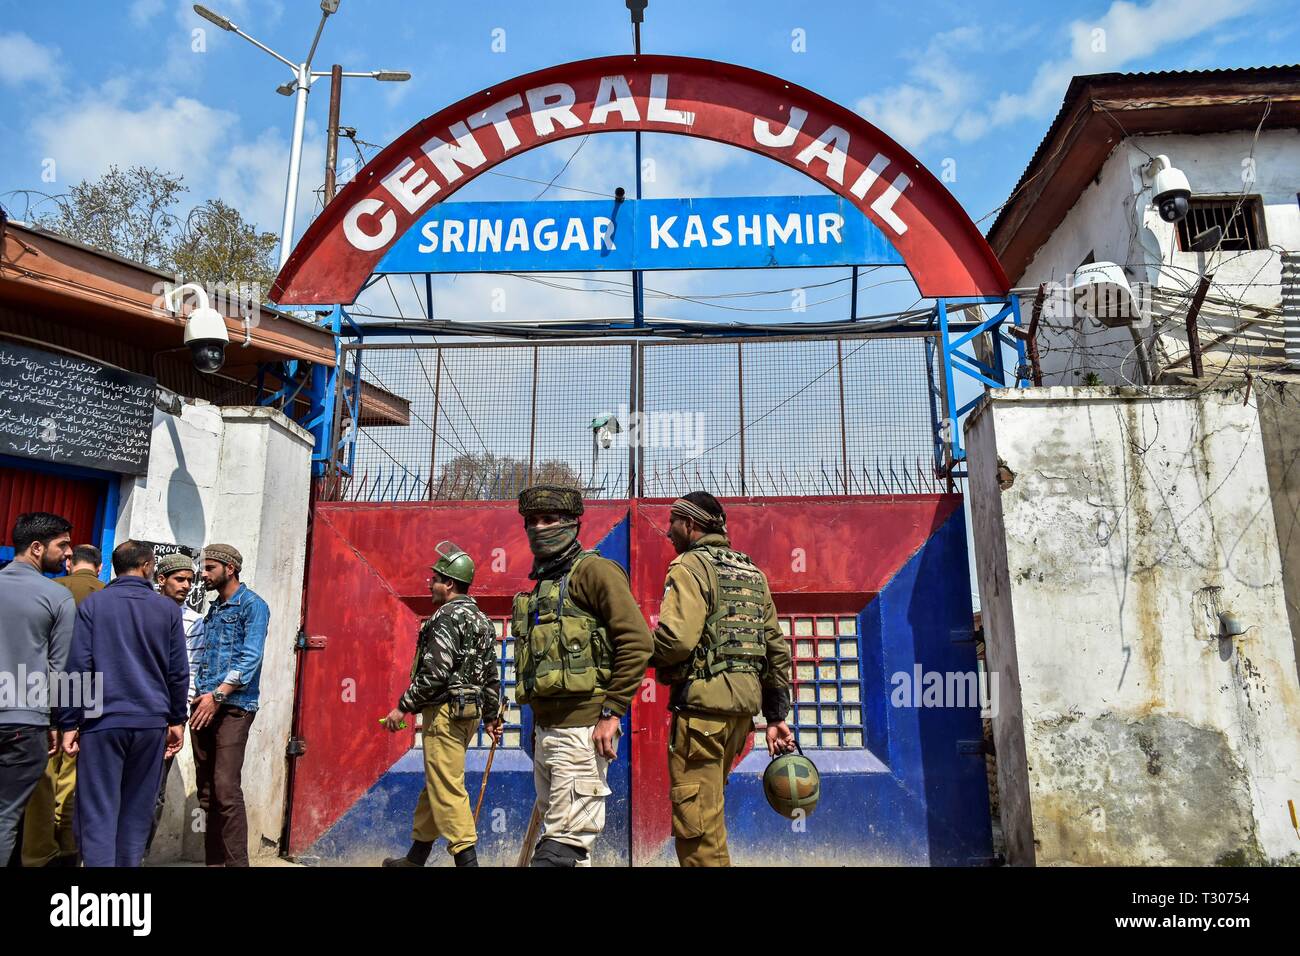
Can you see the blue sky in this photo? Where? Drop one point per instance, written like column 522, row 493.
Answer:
column 969, row 87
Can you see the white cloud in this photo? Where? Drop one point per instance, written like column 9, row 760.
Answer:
column 22, row 59
column 142, row 11
column 185, row 136
column 915, row 111
column 941, row 96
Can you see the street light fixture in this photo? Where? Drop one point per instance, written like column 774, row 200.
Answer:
column 300, row 86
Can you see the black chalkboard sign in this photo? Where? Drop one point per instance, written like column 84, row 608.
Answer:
column 74, row 411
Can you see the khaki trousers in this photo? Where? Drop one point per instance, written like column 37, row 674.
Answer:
column 701, row 750
column 571, row 781
column 47, row 826
column 443, row 808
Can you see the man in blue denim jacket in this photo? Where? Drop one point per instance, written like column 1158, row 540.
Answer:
column 226, row 685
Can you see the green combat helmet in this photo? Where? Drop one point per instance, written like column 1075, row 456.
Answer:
column 454, row 563
column 792, row 785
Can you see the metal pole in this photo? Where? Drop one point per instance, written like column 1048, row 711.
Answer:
column 1036, row 370
column 532, row 420
column 844, row 431
column 638, row 371
column 1193, row 334
column 433, row 442
column 740, row 377
column 295, row 161
column 955, row 451
column 332, row 140
column 853, row 299
column 638, row 289
column 628, row 428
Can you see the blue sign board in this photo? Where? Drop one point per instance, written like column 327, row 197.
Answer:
column 756, row 232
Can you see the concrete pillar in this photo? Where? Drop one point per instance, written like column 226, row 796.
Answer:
column 1112, row 526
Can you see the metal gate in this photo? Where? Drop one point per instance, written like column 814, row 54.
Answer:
column 823, row 453
column 864, row 588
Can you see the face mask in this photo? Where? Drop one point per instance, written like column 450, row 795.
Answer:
column 548, row 542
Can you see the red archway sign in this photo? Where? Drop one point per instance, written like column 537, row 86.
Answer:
column 944, row 251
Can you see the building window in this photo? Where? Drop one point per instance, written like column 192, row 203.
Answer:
column 826, row 697
column 511, row 735
column 1240, row 218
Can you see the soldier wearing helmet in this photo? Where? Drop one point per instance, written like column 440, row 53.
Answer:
column 720, row 649
column 455, row 683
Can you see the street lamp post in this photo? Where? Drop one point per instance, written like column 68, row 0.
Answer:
column 298, row 87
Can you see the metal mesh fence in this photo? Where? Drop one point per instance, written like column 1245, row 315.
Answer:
column 757, row 417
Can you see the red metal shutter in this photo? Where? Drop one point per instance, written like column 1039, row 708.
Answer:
column 77, row 499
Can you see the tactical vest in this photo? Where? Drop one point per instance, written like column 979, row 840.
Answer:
column 733, row 639
column 560, row 649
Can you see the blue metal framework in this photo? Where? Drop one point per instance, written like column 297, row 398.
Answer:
column 319, row 384
column 955, row 360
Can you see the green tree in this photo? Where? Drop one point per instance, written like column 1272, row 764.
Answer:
column 131, row 213
column 125, row 212
column 216, row 244
column 489, row 476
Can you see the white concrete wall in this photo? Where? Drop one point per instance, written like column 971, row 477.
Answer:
column 240, row 476
column 1113, row 220
column 1111, row 527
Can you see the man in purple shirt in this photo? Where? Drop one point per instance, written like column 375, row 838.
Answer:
column 134, row 637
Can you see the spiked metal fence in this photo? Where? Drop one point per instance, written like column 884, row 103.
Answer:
column 746, row 417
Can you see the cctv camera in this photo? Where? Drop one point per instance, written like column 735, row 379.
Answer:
column 1171, row 192
column 206, row 335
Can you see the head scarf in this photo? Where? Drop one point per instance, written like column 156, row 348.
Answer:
column 709, row 523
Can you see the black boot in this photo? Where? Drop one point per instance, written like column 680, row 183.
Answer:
column 417, row 855
column 466, row 857
column 552, row 854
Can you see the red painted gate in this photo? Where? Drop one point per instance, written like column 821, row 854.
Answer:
column 866, row 587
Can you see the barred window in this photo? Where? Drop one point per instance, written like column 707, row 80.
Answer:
column 1240, row 218
column 826, row 694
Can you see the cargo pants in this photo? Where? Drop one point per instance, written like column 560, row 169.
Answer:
column 571, row 781
column 443, row 808
column 47, row 827
column 701, row 751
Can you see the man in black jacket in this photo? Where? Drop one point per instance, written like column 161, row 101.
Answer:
column 455, row 682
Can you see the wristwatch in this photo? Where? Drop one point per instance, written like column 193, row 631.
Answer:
column 218, row 697
column 605, row 712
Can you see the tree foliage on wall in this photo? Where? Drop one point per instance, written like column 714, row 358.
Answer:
column 489, row 476
column 132, row 213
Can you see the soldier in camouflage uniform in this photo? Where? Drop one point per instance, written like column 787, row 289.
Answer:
column 720, row 649
column 581, row 649
column 455, row 682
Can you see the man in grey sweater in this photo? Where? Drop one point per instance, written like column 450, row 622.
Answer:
column 36, row 619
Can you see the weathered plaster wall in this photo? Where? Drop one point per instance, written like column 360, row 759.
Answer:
column 1111, row 527
column 1278, row 402
column 241, row 476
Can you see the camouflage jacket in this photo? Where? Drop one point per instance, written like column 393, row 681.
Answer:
column 457, row 648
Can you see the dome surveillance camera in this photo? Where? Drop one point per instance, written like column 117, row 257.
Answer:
column 1171, row 192
column 205, row 331
column 206, row 335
